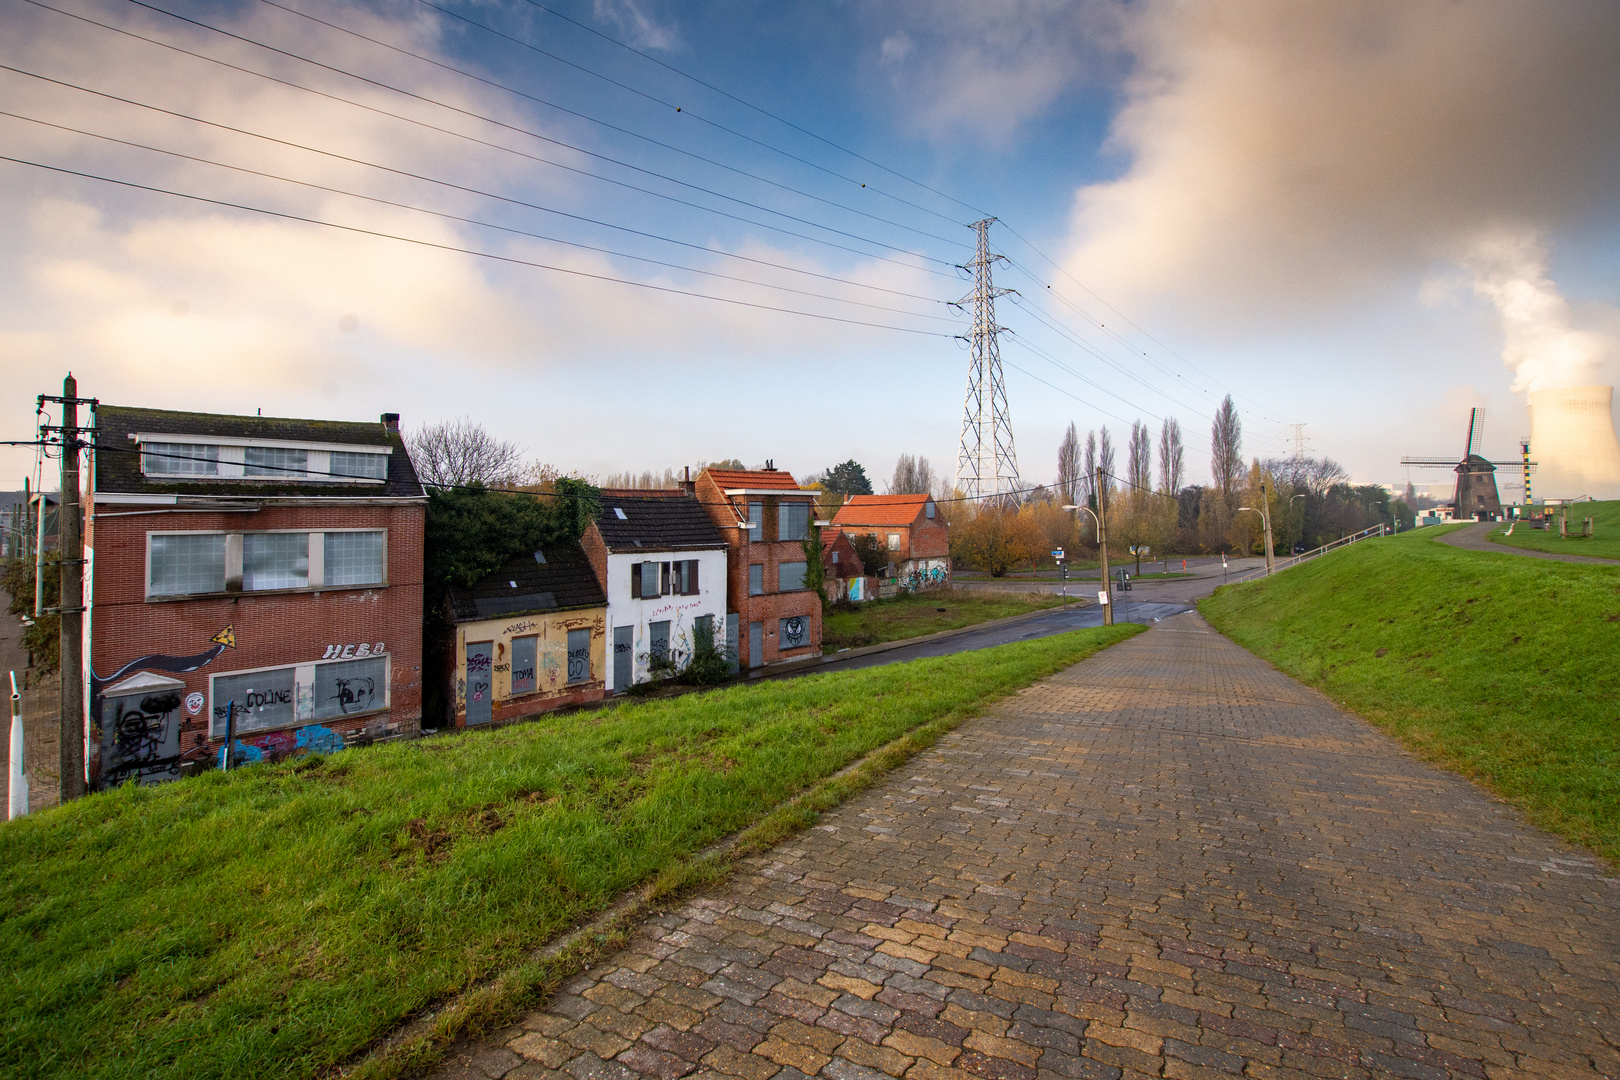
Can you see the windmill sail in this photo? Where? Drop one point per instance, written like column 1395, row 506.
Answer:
column 1476, row 433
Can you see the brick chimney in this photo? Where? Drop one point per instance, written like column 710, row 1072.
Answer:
column 390, row 420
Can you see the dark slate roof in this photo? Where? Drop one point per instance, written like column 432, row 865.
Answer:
column 658, row 523
column 118, row 467
column 525, row 586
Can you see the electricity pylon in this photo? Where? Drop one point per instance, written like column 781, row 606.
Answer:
column 987, row 466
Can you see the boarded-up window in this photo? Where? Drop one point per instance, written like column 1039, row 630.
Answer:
column 579, row 656
column 647, row 579
column 184, row 564
column 658, row 640
column 354, row 558
column 275, row 561
column 928, row 510
column 523, row 664
column 790, row 576
column 894, row 541
column 264, row 699
column 794, row 633
column 793, row 521
column 353, row 686
column 756, row 579
column 756, row 517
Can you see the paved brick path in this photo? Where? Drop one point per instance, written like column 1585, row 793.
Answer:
column 1169, row 860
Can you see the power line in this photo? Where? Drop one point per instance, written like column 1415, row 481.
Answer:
column 494, row 146
column 475, row 221
column 511, row 260
column 604, row 123
column 516, row 128
column 462, row 187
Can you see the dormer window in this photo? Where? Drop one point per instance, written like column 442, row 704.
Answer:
column 180, row 459
column 202, row 457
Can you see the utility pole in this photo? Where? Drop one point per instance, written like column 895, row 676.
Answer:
column 1102, row 548
column 1265, row 506
column 70, row 606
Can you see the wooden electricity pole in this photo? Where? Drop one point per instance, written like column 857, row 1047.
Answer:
column 70, row 603
column 1265, row 515
column 1102, row 548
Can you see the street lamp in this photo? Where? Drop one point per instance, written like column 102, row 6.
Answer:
column 1102, row 551
column 1266, row 518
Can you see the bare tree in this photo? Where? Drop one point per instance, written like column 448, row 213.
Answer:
column 1068, row 473
column 912, row 476
column 1172, row 467
column 1226, row 450
column 1139, row 459
column 1105, row 462
column 461, row 451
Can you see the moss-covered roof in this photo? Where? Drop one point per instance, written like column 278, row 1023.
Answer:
column 118, row 465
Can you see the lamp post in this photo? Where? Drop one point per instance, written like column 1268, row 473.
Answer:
column 1265, row 516
column 1100, row 515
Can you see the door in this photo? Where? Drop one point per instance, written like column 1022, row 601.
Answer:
column 756, row 644
column 732, row 623
column 624, row 643
column 480, row 669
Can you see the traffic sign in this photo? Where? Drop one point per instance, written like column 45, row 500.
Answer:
column 1057, row 553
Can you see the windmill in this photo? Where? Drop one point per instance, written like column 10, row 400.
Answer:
column 1475, row 495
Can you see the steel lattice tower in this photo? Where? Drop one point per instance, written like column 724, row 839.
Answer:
column 987, row 465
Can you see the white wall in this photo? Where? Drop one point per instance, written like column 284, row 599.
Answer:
column 681, row 611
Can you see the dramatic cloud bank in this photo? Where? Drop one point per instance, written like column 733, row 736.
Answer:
column 1288, row 159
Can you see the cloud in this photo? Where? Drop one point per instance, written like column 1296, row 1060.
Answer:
column 1540, row 343
column 1289, row 159
column 987, row 66
column 641, row 29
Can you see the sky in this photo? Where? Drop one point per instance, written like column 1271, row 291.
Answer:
column 641, row 234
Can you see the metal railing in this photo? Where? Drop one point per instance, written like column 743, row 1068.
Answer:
column 1260, row 571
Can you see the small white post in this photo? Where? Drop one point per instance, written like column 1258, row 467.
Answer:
column 19, row 776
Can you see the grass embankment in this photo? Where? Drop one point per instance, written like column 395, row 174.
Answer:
column 277, row 920
column 1603, row 544
column 1497, row 666
column 929, row 612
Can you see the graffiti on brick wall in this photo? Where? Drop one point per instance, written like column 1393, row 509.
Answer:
column 355, row 695
column 917, row 580
column 278, row 745
column 178, row 665
column 354, row 652
column 141, row 739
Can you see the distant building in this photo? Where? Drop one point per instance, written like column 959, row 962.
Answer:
column 661, row 562
column 843, row 575
column 911, row 530
column 20, row 524
column 765, row 517
column 261, row 572
column 530, row 637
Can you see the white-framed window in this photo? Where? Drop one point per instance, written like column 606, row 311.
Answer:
column 351, row 466
column 179, row 459
column 275, row 561
column 191, row 564
column 296, row 694
column 178, row 564
column 358, row 557
column 894, row 541
column 286, row 462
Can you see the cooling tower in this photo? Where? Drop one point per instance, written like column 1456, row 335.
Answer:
column 1573, row 442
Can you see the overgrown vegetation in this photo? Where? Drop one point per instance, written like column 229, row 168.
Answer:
column 1497, row 666
column 472, row 530
column 1603, row 544
column 927, row 612
column 273, row 921
column 42, row 638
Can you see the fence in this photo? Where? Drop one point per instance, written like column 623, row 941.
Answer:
column 1260, row 571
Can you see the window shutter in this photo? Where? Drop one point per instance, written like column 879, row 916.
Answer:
column 694, row 577
column 663, row 579
column 635, row 581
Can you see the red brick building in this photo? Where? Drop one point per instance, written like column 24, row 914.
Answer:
column 764, row 517
column 271, row 563
column 910, row 528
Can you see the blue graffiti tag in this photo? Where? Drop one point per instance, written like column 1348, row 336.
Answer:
column 319, row 740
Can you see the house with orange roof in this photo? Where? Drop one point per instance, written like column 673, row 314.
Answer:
column 911, row 529
column 765, row 517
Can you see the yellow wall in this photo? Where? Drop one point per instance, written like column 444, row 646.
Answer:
column 551, row 652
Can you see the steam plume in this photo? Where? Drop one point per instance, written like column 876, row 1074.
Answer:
column 1540, row 345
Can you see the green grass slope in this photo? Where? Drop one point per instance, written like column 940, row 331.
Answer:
column 1498, row 666
column 1603, row 544
column 276, row 920
column 929, row 612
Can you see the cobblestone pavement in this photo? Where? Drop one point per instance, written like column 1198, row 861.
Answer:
column 1474, row 538
column 1168, row 860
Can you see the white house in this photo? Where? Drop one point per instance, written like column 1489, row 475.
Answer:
column 662, row 563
